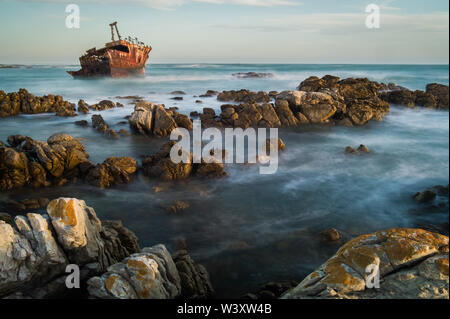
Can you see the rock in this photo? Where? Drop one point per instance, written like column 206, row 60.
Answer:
column 331, row 234
column 83, row 107
column 361, row 149
column 285, row 114
column 99, row 123
column 177, row 98
column 82, row 123
column 271, row 144
column 413, row 264
column 151, row 119
column 244, row 96
column 212, row 169
column 425, row 196
column 441, row 94
column 252, row 75
column 177, row 207
column 161, row 166
column 113, row 171
column 103, row 105
column 164, row 123
column 35, row 249
column 6, row 218
column 425, row 99
column 183, row 121
column 36, row 163
column 403, row 97
column 177, row 93
column 23, row 102
column 151, row 274
column 198, row 101
column 142, row 118
column 195, row 282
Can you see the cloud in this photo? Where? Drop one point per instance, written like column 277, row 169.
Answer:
column 171, row 4
column 350, row 23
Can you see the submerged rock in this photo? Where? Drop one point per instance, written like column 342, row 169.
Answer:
column 425, row 196
column 252, row 75
column 412, row 263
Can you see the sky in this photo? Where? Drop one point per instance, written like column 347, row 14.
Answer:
column 231, row 31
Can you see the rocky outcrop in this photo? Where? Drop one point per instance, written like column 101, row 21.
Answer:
column 195, row 282
column 113, row 171
column 412, row 263
column 244, row 96
column 435, row 96
column 36, row 163
column 35, row 249
column 23, row 102
column 161, row 166
column 150, row 274
column 151, row 119
column 26, row 162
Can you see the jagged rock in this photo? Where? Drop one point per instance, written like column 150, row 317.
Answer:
column 425, row 99
column 103, row 105
column 38, row 163
column 83, row 107
column 400, row 97
column 160, row 165
column 22, row 102
column 148, row 275
column 441, row 93
column 285, row 114
column 99, row 123
column 195, row 282
column 113, row 171
column 413, row 263
column 244, row 96
column 151, row 119
column 35, row 249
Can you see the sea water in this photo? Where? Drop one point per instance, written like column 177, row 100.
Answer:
column 249, row 229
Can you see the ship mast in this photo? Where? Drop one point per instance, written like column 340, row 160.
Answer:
column 114, row 25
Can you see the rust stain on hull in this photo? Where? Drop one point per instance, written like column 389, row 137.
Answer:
column 117, row 59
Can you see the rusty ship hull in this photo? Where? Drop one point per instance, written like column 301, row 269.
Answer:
column 118, row 58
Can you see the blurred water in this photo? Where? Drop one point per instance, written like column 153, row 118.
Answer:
column 249, row 228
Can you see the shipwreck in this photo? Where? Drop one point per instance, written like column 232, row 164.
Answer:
column 118, row 58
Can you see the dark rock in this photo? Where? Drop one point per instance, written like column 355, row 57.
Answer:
column 441, row 93
column 113, row 171
column 82, row 123
column 331, row 235
column 99, row 123
column 6, row 218
column 425, row 196
column 195, row 282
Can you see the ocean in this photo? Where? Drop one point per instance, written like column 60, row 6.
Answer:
column 249, row 229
